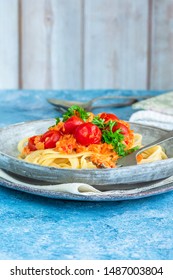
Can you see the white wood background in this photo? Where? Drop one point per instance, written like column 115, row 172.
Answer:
column 86, row 44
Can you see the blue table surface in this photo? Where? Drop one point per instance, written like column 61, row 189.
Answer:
column 39, row 228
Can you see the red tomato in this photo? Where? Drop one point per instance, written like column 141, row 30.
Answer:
column 88, row 133
column 108, row 117
column 50, row 138
column 71, row 124
column 124, row 129
column 31, row 144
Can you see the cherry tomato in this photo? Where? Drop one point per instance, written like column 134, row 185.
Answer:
column 50, row 138
column 88, row 133
column 108, row 117
column 124, row 129
column 71, row 124
column 31, row 144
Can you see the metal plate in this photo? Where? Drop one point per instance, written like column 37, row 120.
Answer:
column 121, row 192
column 100, row 178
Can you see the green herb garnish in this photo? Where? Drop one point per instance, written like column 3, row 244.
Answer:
column 132, row 150
column 114, row 138
column 57, row 120
column 72, row 112
column 99, row 122
column 110, row 137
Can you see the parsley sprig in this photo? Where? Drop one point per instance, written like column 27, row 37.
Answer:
column 132, row 150
column 72, row 112
column 99, row 122
column 114, row 138
column 57, row 120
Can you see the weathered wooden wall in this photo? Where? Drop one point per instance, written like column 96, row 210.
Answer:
column 81, row 44
column 9, row 52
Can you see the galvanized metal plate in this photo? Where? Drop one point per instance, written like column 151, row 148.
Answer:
column 100, row 178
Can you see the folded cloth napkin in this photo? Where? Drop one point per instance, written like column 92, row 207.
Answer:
column 153, row 118
column 157, row 111
column 117, row 192
column 74, row 188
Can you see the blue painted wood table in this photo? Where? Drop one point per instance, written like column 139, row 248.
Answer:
column 34, row 227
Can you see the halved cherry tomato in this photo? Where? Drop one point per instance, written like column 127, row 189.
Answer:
column 108, row 117
column 123, row 129
column 71, row 124
column 88, row 133
column 50, row 138
column 31, row 144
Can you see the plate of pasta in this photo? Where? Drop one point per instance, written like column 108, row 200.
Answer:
column 83, row 147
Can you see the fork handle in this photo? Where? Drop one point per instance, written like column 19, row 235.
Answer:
column 165, row 137
column 116, row 105
column 63, row 103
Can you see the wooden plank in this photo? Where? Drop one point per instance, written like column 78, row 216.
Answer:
column 68, row 46
column 8, row 44
column 116, row 44
column 51, row 44
column 162, row 45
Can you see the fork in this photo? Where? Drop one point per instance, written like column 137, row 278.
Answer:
column 131, row 158
column 63, row 105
